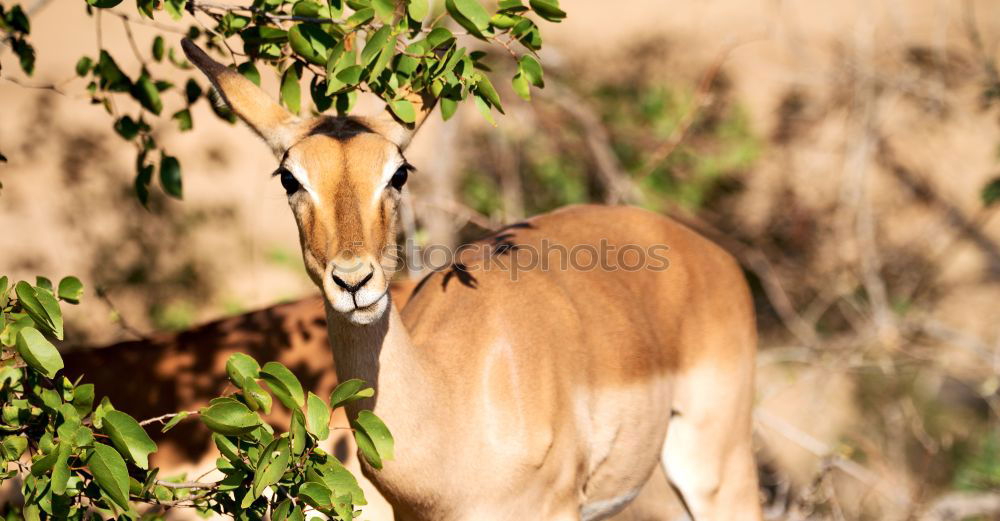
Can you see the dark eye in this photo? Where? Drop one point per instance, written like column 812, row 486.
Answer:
column 399, row 178
column 288, row 181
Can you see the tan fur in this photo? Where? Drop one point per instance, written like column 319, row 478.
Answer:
column 545, row 395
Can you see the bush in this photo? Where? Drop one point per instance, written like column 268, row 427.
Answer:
column 76, row 459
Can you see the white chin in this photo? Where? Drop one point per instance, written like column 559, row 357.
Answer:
column 369, row 314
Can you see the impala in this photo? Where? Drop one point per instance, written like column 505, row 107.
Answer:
column 553, row 396
column 170, row 372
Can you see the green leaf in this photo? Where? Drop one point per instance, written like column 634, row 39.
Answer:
column 360, row 17
column 291, row 93
column 170, row 176
column 44, row 283
column 531, row 69
column 175, row 8
column 417, row 9
column 349, row 391
column 83, row 66
column 521, row 86
column 146, row 93
column 102, row 408
column 548, row 9
column 60, row 470
column 385, row 10
column 306, row 8
column 470, row 14
column 283, row 384
column 127, row 128
column 42, row 307
column 256, row 396
column 485, row 88
column 376, row 42
column 157, row 48
column 287, row 511
column 991, row 193
column 230, row 418
column 110, row 473
column 484, row 109
column 70, row 289
column 17, row 19
column 104, row 4
column 174, row 421
column 315, row 495
column 298, row 432
column 111, row 76
column 310, row 41
column 270, row 466
column 338, row 479
column 143, row 178
column 38, row 352
column 84, row 438
column 183, row 119
column 249, row 71
column 448, row 108
column 511, row 5
column 378, row 432
column 227, row 448
column 241, row 366
column 317, row 417
column 504, row 21
column 350, row 75
column 403, row 110
column 13, row 446
column 367, row 448
column 192, row 91
column 83, row 399
column 25, row 54
column 439, row 36
column 128, row 437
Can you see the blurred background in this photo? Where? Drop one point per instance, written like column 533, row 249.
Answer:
column 847, row 152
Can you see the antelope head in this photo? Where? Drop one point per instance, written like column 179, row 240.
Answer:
column 343, row 177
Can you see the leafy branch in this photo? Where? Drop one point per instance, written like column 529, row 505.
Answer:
column 76, row 459
column 390, row 48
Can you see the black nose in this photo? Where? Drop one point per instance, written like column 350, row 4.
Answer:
column 355, row 287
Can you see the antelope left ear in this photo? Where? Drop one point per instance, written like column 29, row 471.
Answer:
column 398, row 131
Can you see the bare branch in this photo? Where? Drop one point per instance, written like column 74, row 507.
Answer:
column 166, row 417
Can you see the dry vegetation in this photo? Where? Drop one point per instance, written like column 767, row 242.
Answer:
column 839, row 153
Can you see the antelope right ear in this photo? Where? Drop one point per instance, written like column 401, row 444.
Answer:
column 279, row 128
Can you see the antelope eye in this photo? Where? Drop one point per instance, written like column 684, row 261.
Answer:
column 288, row 181
column 399, row 178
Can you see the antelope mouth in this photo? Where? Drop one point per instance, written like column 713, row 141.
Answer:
column 364, row 315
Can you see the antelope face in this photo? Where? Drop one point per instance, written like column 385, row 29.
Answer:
column 343, row 179
column 343, row 190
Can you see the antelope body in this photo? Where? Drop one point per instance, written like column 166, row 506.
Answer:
column 545, row 394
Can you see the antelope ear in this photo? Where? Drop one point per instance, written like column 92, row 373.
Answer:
column 398, row 131
column 278, row 127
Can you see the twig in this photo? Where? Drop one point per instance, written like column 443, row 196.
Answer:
column 618, row 187
column 703, row 98
column 165, row 417
column 207, row 6
column 103, row 295
column 148, row 23
column 459, row 210
column 48, row 86
column 186, row 484
column 822, row 450
column 963, row 505
column 131, row 41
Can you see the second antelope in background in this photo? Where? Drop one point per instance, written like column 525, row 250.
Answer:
column 549, row 393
